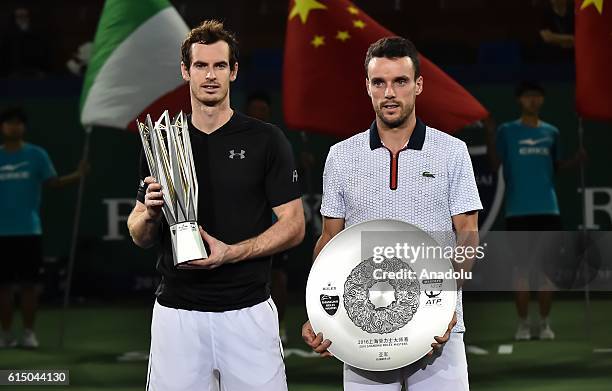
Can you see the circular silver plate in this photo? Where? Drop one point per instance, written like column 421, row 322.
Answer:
column 378, row 298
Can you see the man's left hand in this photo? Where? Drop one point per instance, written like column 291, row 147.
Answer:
column 219, row 252
column 436, row 347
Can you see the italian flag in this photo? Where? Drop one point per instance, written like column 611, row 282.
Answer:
column 135, row 65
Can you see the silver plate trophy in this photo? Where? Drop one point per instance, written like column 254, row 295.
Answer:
column 168, row 151
column 380, row 309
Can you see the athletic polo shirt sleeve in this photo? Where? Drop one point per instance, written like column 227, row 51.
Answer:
column 463, row 192
column 46, row 170
column 332, row 201
column 281, row 181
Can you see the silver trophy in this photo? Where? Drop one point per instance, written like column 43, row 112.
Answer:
column 168, row 151
column 380, row 314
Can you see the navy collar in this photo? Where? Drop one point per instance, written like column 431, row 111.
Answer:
column 417, row 138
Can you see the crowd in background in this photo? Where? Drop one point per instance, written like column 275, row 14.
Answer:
column 36, row 41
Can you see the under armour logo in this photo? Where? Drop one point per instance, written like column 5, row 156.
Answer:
column 295, row 176
column 232, row 153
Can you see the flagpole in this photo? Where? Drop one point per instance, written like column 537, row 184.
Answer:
column 308, row 174
column 583, row 236
column 74, row 240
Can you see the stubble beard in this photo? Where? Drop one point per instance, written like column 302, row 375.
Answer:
column 209, row 101
column 403, row 118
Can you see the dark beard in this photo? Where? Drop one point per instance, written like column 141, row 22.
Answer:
column 394, row 124
column 397, row 123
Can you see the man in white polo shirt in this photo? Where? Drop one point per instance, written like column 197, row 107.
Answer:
column 402, row 169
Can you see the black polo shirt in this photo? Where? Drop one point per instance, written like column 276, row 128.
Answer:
column 244, row 168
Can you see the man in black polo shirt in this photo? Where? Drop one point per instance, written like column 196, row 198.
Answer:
column 216, row 326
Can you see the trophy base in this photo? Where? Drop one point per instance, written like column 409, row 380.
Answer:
column 187, row 244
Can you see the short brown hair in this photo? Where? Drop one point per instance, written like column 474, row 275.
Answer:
column 394, row 47
column 209, row 32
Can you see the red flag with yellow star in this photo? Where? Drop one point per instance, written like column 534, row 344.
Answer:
column 324, row 78
column 593, row 42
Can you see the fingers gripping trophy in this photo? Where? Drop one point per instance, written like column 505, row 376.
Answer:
column 168, row 152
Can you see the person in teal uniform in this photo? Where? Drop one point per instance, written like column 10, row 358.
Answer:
column 529, row 150
column 24, row 170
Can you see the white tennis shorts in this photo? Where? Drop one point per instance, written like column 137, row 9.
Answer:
column 446, row 372
column 208, row 351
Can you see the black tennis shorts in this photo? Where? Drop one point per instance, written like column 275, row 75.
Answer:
column 20, row 259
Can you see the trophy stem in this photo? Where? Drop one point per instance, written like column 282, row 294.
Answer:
column 187, row 244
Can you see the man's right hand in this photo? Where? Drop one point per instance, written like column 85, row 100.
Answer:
column 316, row 342
column 153, row 198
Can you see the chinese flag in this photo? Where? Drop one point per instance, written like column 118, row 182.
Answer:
column 593, row 59
column 324, row 77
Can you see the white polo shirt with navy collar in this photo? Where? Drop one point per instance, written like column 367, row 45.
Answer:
column 426, row 183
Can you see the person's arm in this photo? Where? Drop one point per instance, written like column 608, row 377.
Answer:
column 561, row 40
column 333, row 210
column 556, row 152
column 331, row 227
column 73, row 177
column 287, row 232
column 144, row 220
column 48, row 175
column 464, row 203
column 579, row 157
column 466, row 228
